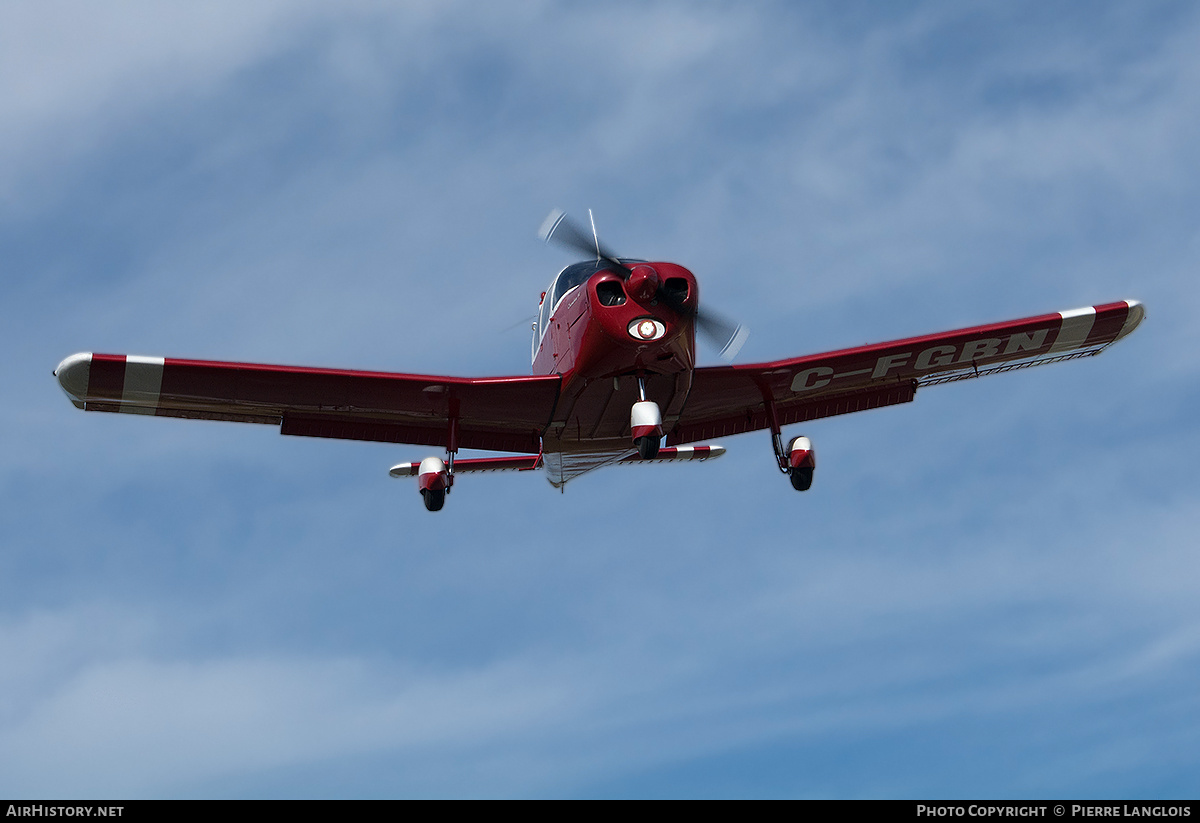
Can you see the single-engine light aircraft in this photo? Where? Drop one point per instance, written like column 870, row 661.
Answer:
column 614, row 372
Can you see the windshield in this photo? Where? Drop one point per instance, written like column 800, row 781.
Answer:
column 567, row 279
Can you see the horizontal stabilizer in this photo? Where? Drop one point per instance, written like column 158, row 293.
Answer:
column 679, row 453
column 522, row 463
column 530, row 462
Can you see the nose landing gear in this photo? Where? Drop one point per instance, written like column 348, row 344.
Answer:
column 645, row 421
column 645, row 424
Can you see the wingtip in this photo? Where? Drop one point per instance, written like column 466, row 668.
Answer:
column 1137, row 313
column 73, row 374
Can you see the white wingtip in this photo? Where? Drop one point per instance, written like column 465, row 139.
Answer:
column 1137, row 313
column 73, row 374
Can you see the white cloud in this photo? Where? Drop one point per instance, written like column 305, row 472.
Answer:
column 831, row 642
column 72, row 72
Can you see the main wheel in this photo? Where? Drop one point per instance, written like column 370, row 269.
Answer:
column 647, row 447
column 802, row 478
column 434, row 499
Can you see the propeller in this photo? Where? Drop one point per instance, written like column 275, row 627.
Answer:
column 559, row 228
column 726, row 335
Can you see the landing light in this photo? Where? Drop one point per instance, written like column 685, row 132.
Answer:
column 646, row 328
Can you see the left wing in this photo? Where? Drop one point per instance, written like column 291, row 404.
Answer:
column 494, row 413
column 728, row 400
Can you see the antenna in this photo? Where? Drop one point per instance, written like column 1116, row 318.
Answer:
column 595, row 236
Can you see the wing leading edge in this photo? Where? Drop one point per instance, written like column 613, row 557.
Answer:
column 493, row 413
column 727, row 400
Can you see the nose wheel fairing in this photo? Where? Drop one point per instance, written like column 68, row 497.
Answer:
column 645, row 426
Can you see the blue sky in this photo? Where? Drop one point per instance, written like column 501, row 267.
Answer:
column 989, row 592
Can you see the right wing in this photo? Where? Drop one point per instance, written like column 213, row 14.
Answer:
column 493, row 413
column 727, row 400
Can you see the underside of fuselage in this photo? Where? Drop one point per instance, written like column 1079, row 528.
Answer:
column 562, row 467
column 616, row 341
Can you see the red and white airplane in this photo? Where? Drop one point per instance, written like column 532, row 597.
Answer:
column 614, row 371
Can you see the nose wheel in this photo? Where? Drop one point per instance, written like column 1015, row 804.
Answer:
column 647, row 447
column 645, row 424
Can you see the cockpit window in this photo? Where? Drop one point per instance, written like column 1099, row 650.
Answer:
column 572, row 276
column 567, row 279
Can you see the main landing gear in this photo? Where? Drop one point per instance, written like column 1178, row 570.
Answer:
column 645, row 423
column 802, row 460
column 797, row 461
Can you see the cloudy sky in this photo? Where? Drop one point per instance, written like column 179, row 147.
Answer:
column 988, row 592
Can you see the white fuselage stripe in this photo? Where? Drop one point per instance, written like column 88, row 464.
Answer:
column 143, row 384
